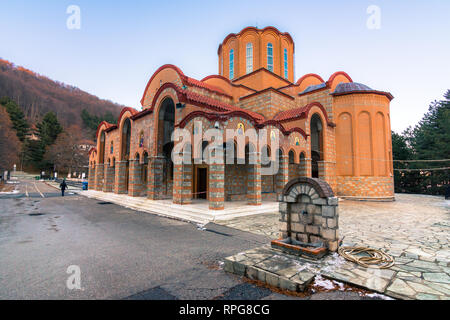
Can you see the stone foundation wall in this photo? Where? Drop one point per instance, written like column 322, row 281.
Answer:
column 365, row 187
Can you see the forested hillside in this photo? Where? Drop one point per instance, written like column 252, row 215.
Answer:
column 45, row 124
column 37, row 95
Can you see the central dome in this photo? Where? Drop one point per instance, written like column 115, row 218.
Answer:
column 253, row 49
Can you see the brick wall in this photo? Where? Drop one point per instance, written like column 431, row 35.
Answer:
column 365, row 187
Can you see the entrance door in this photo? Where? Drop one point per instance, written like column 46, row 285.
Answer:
column 202, row 180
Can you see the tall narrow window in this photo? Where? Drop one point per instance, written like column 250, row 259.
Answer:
column 285, row 63
column 270, row 57
column 249, row 57
column 231, row 64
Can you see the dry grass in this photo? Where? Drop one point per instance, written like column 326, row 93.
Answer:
column 4, row 187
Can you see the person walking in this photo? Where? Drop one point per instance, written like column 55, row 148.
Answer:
column 63, row 187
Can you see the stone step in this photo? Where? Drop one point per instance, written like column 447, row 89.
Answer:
column 183, row 212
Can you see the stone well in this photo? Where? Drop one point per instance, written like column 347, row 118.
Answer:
column 308, row 218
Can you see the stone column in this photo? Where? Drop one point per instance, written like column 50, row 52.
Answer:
column 91, row 178
column 99, row 176
column 254, row 180
column 135, row 183
column 283, row 176
column 120, row 186
column 182, row 184
column 155, row 178
column 109, row 178
column 216, row 190
column 144, row 181
column 308, row 167
column 303, row 168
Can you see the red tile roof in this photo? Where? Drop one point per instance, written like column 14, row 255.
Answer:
column 290, row 114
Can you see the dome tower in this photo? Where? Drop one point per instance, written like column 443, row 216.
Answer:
column 253, row 49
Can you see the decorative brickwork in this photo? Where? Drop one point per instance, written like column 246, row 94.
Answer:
column 99, row 176
column 365, row 187
column 121, row 178
column 91, row 177
column 155, row 178
column 254, row 180
column 109, row 178
column 182, row 183
column 282, row 176
column 135, row 183
column 216, row 190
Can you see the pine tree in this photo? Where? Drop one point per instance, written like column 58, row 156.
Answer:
column 48, row 129
column 17, row 117
column 428, row 140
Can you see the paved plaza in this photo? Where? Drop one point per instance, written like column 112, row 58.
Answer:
column 414, row 229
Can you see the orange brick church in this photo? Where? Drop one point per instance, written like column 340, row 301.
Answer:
column 337, row 130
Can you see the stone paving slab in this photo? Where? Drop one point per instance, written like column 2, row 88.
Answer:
column 407, row 279
column 414, row 229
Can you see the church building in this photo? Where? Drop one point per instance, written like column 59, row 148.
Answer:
column 337, row 130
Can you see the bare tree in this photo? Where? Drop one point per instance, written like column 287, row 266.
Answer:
column 9, row 143
column 67, row 153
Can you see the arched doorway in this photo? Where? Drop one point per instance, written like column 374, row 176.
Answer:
column 201, row 172
column 101, row 150
column 268, row 185
column 166, row 123
column 126, row 145
column 316, row 127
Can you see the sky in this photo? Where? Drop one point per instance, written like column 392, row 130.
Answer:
column 120, row 44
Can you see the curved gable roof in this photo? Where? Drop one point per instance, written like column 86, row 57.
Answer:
column 185, row 80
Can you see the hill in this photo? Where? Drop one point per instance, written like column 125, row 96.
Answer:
column 37, row 95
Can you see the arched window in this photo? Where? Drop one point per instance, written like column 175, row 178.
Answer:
column 270, row 57
column 102, row 148
column 141, row 139
column 291, row 157
column 265, row 156
column 285, row 63
column 249, row 57
column 126, row 138
column 317, row 155
column 231, row 64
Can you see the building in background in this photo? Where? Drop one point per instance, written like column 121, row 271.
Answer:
column 337, row 130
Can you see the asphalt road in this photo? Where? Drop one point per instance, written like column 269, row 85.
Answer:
column 121, row 253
